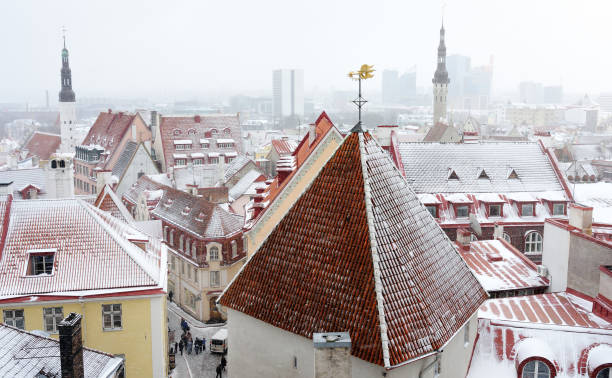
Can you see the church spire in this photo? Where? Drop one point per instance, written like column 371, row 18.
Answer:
column 441, row 75
column 440, row 82
column 66, row 94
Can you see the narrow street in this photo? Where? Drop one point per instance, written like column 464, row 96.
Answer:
column 191, row 365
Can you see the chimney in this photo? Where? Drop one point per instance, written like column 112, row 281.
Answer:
column 383, row 134
column 498, row 231
column 312, row 133
column 581, row 217
column 463, row 238
column 103, row 178
column 332, row 356
column 71, row 346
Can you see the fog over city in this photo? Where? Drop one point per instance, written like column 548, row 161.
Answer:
column 184, row 49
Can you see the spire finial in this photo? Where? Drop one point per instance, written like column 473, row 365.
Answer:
column 443, row 9
column 364, row 72
column 64, row 35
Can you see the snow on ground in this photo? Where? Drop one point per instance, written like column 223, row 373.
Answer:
column 597, row 195
column 191, row 366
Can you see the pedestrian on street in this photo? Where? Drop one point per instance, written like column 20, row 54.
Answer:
column 219, row 372
column 223, row 362
column 170, row 294
column 181, row 346
column 175, row 347
column 203, row 343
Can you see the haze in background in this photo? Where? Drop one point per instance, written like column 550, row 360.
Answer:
column 182, row 48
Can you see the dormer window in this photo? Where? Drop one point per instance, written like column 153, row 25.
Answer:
column 483, row 175
column 200, row 217
column 176, row 132
column 40, row 263
column 558, row 209
column 462, row 211
column 512, row 175
column 433, row 210
column 452, row 175
column 527, row 210
column 495, row 210
column 168, row 202
column 186, row 210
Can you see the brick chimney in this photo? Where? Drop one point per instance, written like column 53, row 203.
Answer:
column 71, row 346
column 498, row 231
column 332, row 357
column 581, row 217
column 464, row 238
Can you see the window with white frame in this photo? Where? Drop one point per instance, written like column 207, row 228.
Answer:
column 51, row 317
column 507, row 237
column 181, row 242
column 188, row 246
column 193, row 250
column 111, row 316
column 535, row 369
column 215, row 278
column 558, row 209
column 195, row 274
column 234, row 248
column 462, row 211
column 213, row 253
column 14, row 318
column 197, row 161
column 213, row 160
column 41, row 263
column 533, row 242
column 527, row 209
column 180, row 162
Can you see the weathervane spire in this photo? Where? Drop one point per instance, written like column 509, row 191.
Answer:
column 64, row 35
column 365, row 72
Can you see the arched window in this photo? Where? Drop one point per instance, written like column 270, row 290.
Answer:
column 234, row 248
column 535, row 369
column 181, row 242
column 533, row 242
column 213, row 253
column 62, row 164
column 605, row 373
column 53, row 164
column 507, row 237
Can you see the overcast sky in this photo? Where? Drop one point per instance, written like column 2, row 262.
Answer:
column 177, row 49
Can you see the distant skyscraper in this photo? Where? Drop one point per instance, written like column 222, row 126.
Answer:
column 440, row 82
column 288, row 93
column 458, row 68
column 535, row 93
column 398, row 89
column 67, row 107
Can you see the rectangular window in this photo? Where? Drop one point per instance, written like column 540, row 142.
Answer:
column 182, row 267
column 462, row 211
column 197, row 161
column 433, row 210
column 14, row 318
column 189, row 272
column 494, row 210
column 111, row 317
column 466, row 334
column 559, row 209
column 180, row 161
column 527, row 209
column 51, row 317
column 214, row 279
column 40, row 263
column 204, row 145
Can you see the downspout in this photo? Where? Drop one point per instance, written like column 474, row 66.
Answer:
column 430, row 365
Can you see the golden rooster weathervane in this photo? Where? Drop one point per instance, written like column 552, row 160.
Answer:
column 365, row 72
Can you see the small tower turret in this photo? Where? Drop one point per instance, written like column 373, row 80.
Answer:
column 67, row 106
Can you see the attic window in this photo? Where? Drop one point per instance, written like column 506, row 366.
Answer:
column 483, row 175
column 168, row 202
column 186, row 210
column 452, row 175
column 40, row 262
column 200, row 217
column 512, row 175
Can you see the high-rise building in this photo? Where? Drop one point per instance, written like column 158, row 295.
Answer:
column 288, row 93
column 440, row 82
column 67, row 107
column 398, row 89
column 458, row 68
column 535, row 93
column 471, row 86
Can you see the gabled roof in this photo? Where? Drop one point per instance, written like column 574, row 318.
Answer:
column 284, row 146
column 358, row 252
column 499, row 266
column 235, row 166
column 123, row 162
column 196, row 128
column 426, row 166
column 25, row 354
column 108, row 130
column 42, row 144
column 436, row 132
column 90, row 254
column 108, row 201
column 203, row 218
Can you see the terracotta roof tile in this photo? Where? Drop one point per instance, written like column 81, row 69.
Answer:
column 358, row 252
column 42, row 144
column 108, row 130
column 284, row 146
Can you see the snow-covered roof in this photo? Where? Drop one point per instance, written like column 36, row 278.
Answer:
column 182, row 141
column 225, row 141
column 197, row 155
column 598, row 195
column 556, row 327
column 21, row 178
column 179, row 156
column 426, row 167
column 243, row 184
column 499, row 266
column 92, row 250
column 25, row 354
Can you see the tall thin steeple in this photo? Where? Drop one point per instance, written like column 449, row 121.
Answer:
column 67, row 106
column 440, row 81
column 66, row 94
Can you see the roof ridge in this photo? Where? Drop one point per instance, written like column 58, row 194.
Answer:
column 373, row 250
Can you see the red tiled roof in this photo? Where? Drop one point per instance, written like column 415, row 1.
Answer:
column 499, row 266
column 88, row 254
column 283, row 146
column 195, row 128
column 108, row 130
column 42, row 144
column 108, row 201
column 358, row 252
column 143, row 184
column 436, row 132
